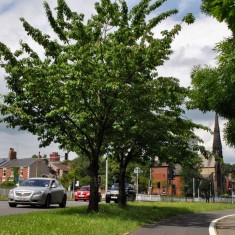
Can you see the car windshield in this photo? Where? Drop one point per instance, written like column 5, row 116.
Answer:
column 36, row 183
column 85, row 188
column 115, row 186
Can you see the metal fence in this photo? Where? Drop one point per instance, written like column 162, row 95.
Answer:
column 4, row 192
column 160, row 198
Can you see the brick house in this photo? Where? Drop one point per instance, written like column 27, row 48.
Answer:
column 26, row 167
column 162, row 181
column 56, row 167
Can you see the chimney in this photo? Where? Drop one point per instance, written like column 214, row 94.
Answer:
column 54, row 157
column 12, row 154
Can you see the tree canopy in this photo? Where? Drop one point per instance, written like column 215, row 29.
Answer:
column 213, row 87
column 94, row 76
column 222, row 10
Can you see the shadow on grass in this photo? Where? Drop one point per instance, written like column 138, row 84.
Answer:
column 143, row 214
column 152, row 214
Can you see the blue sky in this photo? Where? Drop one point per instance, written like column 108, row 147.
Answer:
column 193, row 46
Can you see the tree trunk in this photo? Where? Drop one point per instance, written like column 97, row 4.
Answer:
column 94, row 187
column 122, row 193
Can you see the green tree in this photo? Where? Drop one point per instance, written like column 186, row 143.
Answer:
column 80, row 88
column 222, row 10
column 212, row 87
column 188, row 173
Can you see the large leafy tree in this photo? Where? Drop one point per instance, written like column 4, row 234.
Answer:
column 87, row 77
column 162, row 132
column 213, row 86
column 222, row 10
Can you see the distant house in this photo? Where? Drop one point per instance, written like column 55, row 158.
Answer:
column 23, row 168
column 164, row 183
column 3, row 161
column 56, row 167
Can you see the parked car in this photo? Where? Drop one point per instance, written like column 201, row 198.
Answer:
column 84, row 194
column 113, row 193
column 38, row 191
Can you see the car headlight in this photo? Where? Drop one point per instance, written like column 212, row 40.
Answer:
column 38, row 193
column 11, row 192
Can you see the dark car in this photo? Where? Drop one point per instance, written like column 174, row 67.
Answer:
column 84, row 194
column 38, row 191
column 113, row 193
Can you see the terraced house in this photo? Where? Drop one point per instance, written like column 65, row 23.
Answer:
column 12, row 168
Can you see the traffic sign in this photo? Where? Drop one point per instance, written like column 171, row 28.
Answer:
column 137, row 170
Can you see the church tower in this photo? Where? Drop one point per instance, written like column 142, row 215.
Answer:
column 218, row 155
column 217, row 145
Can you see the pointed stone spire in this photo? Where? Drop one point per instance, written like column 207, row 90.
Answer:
column 217, row 144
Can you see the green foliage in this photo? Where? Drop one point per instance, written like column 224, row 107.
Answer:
column 222, row 10
column 188, row 172
column 16, row 174
column 96, row 83
column 8, row 184
column 229, row 169
column 77, row 172
column 212, row 88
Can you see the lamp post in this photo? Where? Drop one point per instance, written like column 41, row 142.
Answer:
column 193, row 188
column 106, row 175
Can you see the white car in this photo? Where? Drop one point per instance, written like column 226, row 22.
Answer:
column 38, row 191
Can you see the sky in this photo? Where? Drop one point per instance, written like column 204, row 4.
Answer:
column 193, row 46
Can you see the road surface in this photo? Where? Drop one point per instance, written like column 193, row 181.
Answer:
column 20, row 209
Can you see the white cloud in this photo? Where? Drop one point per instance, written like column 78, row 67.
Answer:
column 191, row 47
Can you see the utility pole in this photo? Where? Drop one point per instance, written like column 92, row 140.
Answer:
column 193, row 188
column 106, row 175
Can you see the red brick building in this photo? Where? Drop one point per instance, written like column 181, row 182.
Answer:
column 26, row 168
column 162, row 182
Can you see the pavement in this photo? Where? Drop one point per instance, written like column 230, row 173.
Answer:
column 212, row 223
column 225, row 225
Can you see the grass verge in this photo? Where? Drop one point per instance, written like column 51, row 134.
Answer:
column 111, row 220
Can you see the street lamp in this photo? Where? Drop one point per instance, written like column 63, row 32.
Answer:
column 106, row 175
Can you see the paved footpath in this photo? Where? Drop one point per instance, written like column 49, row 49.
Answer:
column 226, row 226
column 191, row 224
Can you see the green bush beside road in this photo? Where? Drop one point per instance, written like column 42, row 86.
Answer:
column 110, row 220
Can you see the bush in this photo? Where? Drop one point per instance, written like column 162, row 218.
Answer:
column 8, row 184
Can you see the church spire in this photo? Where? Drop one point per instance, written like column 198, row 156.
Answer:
column 217, row 145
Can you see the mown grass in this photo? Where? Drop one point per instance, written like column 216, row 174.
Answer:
column 111, row 220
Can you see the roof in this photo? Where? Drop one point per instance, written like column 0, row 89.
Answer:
column 210, row 162
column 20, row 162
column 3, row 161
column 60, row 166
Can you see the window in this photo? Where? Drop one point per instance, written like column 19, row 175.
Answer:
column 4, row 171
column 21, row 171
column 12, row 172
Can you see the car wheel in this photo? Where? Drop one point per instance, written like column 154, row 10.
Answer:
column 76, row 200
column 12, row 204
column 63, row 203
column 116, row 201
column 107, row 200
column 47, row 202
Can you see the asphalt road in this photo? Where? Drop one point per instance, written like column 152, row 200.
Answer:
column 20, row 209
column 187, row 224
